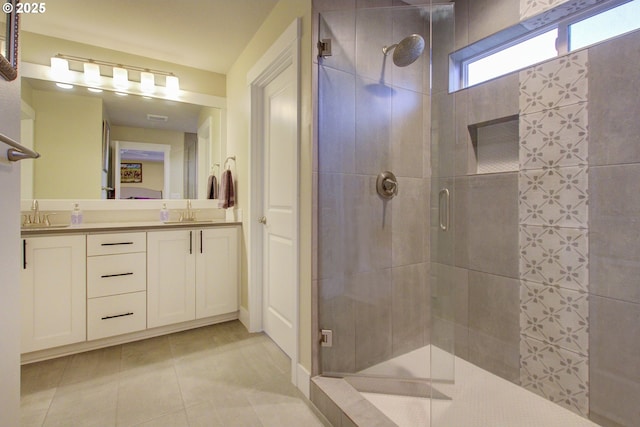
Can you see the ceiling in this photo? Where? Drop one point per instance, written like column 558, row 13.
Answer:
column 204, row 34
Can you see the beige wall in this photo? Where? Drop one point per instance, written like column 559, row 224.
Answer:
column 39, row 49
column 26, row 93
column 238, row 104
column 158, row 136
column 68, row 136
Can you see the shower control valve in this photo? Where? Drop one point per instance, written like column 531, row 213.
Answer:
column 387, row 185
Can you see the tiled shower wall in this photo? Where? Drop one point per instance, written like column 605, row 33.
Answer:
column 581, row 311
column 373, row 255
column 360, row 290
column 553, row 211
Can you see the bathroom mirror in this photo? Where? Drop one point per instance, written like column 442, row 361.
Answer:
column 9, row 40
column 66, row 124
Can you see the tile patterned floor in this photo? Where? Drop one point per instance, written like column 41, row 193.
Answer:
column 213, row 376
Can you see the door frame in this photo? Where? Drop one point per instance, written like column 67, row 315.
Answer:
column 285, row 51
column 142, row 146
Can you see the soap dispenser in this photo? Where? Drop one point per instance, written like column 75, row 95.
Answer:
column 164, row 213
column 76, row 215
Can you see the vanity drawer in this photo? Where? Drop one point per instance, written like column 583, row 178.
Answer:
column 116, row 274
column 116, row 315
column 117, row 243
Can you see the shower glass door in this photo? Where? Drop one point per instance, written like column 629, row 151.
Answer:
column 444, row 284
column 383, row 262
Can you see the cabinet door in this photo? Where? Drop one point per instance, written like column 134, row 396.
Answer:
column 53, row 292
column 171, row 259
column 217, row 269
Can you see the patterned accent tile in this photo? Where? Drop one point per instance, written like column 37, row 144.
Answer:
column 555, row 316
column 547, row 11
column 554, row 138
column 555, row 256
column 554, row 197
column 555, row 83
column 557, row 374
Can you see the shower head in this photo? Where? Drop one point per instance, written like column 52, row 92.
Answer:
column 407, row 51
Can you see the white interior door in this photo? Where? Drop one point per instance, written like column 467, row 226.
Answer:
column 280, row 205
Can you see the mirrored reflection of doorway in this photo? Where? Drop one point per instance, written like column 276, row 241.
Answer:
column 190, row 165
column 141, row 170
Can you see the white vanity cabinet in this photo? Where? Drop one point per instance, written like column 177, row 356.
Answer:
column 116, row 284
column 171, row 276
column 53, row 291
column 192, row 274
column 217, row 268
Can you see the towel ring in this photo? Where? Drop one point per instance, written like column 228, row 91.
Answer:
column 227, row 166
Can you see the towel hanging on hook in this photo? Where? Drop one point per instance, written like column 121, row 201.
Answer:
column 227, row 191
column 212, row 187
column 227, row 165
column 212, row 184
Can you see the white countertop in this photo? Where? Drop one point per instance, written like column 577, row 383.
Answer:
column 122, row 226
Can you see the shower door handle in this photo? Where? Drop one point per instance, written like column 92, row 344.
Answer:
column 444, row 209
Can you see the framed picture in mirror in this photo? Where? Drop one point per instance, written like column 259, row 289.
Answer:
column 9, row 55
column 131, row 173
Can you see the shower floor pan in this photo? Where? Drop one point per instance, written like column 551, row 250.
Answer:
column 477, row 398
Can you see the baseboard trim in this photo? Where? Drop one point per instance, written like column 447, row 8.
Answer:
column 244, row 317
column 303, row 379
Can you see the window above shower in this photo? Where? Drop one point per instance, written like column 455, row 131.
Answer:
column 551, row 34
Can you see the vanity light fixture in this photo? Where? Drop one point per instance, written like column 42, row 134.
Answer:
column 59, row 68
column 91, row 72
column 121, row 94
column 94, row 90
column 120, row 73
column 64, row 85
column 120, row 78
column 147, row 82
column 172, row 85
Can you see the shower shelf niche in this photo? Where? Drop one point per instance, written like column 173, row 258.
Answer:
column 496, row 145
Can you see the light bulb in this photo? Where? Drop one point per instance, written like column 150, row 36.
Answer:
column 120, row 78
column 147, row 82
column 172, row 85
column 59, row 68
column 91, row 72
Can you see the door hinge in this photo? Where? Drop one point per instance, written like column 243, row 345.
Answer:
column 324, row 48
column 326, row 338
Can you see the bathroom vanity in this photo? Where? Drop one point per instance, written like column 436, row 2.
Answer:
column 101, row 284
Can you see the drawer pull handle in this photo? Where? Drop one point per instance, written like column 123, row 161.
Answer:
column 116, row 244
column 116, row 275
column 117, row 315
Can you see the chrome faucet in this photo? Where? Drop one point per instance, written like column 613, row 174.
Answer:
column 36, row 218
column 189, row 214
column 36, row 211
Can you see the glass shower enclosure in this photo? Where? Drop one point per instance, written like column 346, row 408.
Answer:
column 386, row 152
